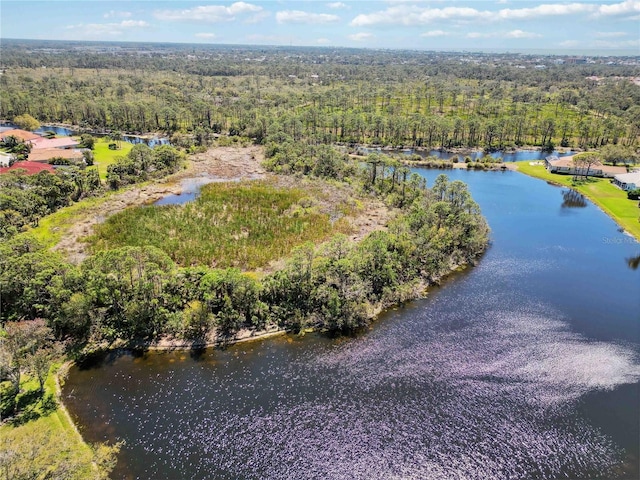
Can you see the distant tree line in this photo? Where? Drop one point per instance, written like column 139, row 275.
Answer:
column 351, row 97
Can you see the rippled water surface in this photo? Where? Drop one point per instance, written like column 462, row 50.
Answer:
column 525, row 366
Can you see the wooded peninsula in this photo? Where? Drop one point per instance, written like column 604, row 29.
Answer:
column 292, row 228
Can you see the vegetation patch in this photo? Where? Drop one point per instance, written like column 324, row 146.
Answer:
column 244, row 225
column 104, row 156
column 600, row 191
column 41, row 442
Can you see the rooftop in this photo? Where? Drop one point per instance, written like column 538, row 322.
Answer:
column 568, row 162
column 62, row 142
column 23, row 134
column 31, row 167
column 46, row 154
column 633, row 177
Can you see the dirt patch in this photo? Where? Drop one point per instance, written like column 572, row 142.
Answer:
column 226, row 164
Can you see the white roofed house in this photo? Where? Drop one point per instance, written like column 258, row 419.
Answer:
column 627, row 181
column 567, row 166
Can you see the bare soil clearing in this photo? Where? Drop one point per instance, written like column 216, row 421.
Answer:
column 221, row 164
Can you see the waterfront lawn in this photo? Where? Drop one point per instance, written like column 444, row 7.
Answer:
column 103, row 157
column 600, row 191
column 43, row 443
column 243, row 225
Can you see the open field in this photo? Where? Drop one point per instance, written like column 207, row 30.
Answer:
column 601, row 191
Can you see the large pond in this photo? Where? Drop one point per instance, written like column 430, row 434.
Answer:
column 523, row 367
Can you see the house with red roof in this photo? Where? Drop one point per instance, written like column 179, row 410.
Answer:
column 31, row 167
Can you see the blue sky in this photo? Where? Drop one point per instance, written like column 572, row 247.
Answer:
column 514, row 25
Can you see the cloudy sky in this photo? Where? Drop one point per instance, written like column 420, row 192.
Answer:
column 512, row 25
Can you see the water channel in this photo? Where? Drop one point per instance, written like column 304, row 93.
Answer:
column 526, row 366
column 65, row 131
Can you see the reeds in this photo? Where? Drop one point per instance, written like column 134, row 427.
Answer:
column 244, row 225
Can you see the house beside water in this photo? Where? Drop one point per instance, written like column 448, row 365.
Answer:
column 565, row 165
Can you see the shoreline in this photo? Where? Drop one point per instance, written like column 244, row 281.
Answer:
column 169, row 344
column 593, row 199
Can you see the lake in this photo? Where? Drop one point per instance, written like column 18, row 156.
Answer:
column 507, row 156
column 525, row 366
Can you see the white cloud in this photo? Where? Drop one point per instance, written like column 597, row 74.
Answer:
column 133, row 24
column 545, row 10
column 521, row 34
column 337, row 5
column 480, row 35
column 570, row 43
column 298, row 16
column 205, row 35
column 360, row 37
column 435, row 33
column 415, row 14
column 610, row 34
column 117, row 14
column 323, row 41
column 623, row 8
column 96, row 30
column 208, row 13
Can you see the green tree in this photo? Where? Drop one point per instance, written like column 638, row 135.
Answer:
column 20, row 346
column 583, row 162
column 87, row 141
column 26, row 122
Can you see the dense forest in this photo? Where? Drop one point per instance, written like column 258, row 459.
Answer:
column 435, row 100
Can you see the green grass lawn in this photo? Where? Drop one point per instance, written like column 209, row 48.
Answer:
column 600, row 191
column 45, row 444
column 105, row 157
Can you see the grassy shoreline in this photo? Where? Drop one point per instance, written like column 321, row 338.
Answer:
column 610, row 199
column 51, row 440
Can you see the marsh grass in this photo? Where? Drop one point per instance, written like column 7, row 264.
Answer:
column 243, row 225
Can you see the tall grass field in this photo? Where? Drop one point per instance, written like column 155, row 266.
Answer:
column 243, row 225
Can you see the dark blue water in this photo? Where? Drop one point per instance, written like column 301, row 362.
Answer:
column 525, row 366
column 151, row 142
